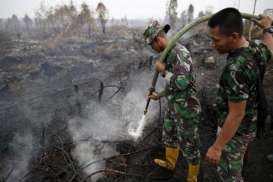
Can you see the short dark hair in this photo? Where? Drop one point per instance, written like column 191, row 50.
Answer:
column 229, row 21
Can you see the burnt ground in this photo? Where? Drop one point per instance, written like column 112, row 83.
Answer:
column 43, row 88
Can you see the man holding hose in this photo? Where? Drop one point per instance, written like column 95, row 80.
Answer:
column 180, row 128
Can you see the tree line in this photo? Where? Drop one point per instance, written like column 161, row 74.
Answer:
column 64, row 18
column 83, row 22
column 186, row 16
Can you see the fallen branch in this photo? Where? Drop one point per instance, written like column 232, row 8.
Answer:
column 8, row 175
column 115, row 156
column 67, row 157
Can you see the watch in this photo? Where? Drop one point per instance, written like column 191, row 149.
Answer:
column 269, row 30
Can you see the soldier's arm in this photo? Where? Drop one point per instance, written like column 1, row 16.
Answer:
column 161, row 68
column 231, row 125
column 232, row 122
column 234, row 79
column 268, row 41
column 178, row 79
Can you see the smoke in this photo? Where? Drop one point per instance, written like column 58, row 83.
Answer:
column 22, row 146
column 90, row 135
column 135, row 100
column 90, row 150
column 25, row 142
column 109, row 122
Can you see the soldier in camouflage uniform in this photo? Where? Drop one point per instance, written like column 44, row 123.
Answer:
column 180, row 129
column 237, row 97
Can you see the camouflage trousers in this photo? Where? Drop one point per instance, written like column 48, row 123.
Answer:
column 180, row 128
column 231, row 163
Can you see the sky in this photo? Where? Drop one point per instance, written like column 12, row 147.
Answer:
column 133, row 9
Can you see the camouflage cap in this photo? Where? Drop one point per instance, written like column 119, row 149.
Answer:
column 152, row 31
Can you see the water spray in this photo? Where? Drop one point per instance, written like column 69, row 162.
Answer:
column 138, row 131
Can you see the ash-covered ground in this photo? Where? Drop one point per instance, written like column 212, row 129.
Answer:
column 66, row 106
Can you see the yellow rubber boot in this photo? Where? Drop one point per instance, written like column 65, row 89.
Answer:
column 171, row 158
column 193, row 171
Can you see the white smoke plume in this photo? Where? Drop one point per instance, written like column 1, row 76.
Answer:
column 110, row 122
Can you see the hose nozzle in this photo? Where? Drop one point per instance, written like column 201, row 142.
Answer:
column 145, row 111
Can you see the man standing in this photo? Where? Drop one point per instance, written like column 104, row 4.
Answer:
column 237, row 99
column 180, row 129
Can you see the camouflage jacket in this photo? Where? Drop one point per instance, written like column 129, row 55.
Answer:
column 179, row 74
column 238, row 83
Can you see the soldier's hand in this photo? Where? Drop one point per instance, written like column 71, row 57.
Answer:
column 160, row 67
column 154, row 96
column 263, row 21
column 213, row 155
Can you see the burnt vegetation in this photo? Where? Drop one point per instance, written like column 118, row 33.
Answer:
column 73, row 80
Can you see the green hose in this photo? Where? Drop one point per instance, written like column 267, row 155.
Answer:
column 173, row 41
